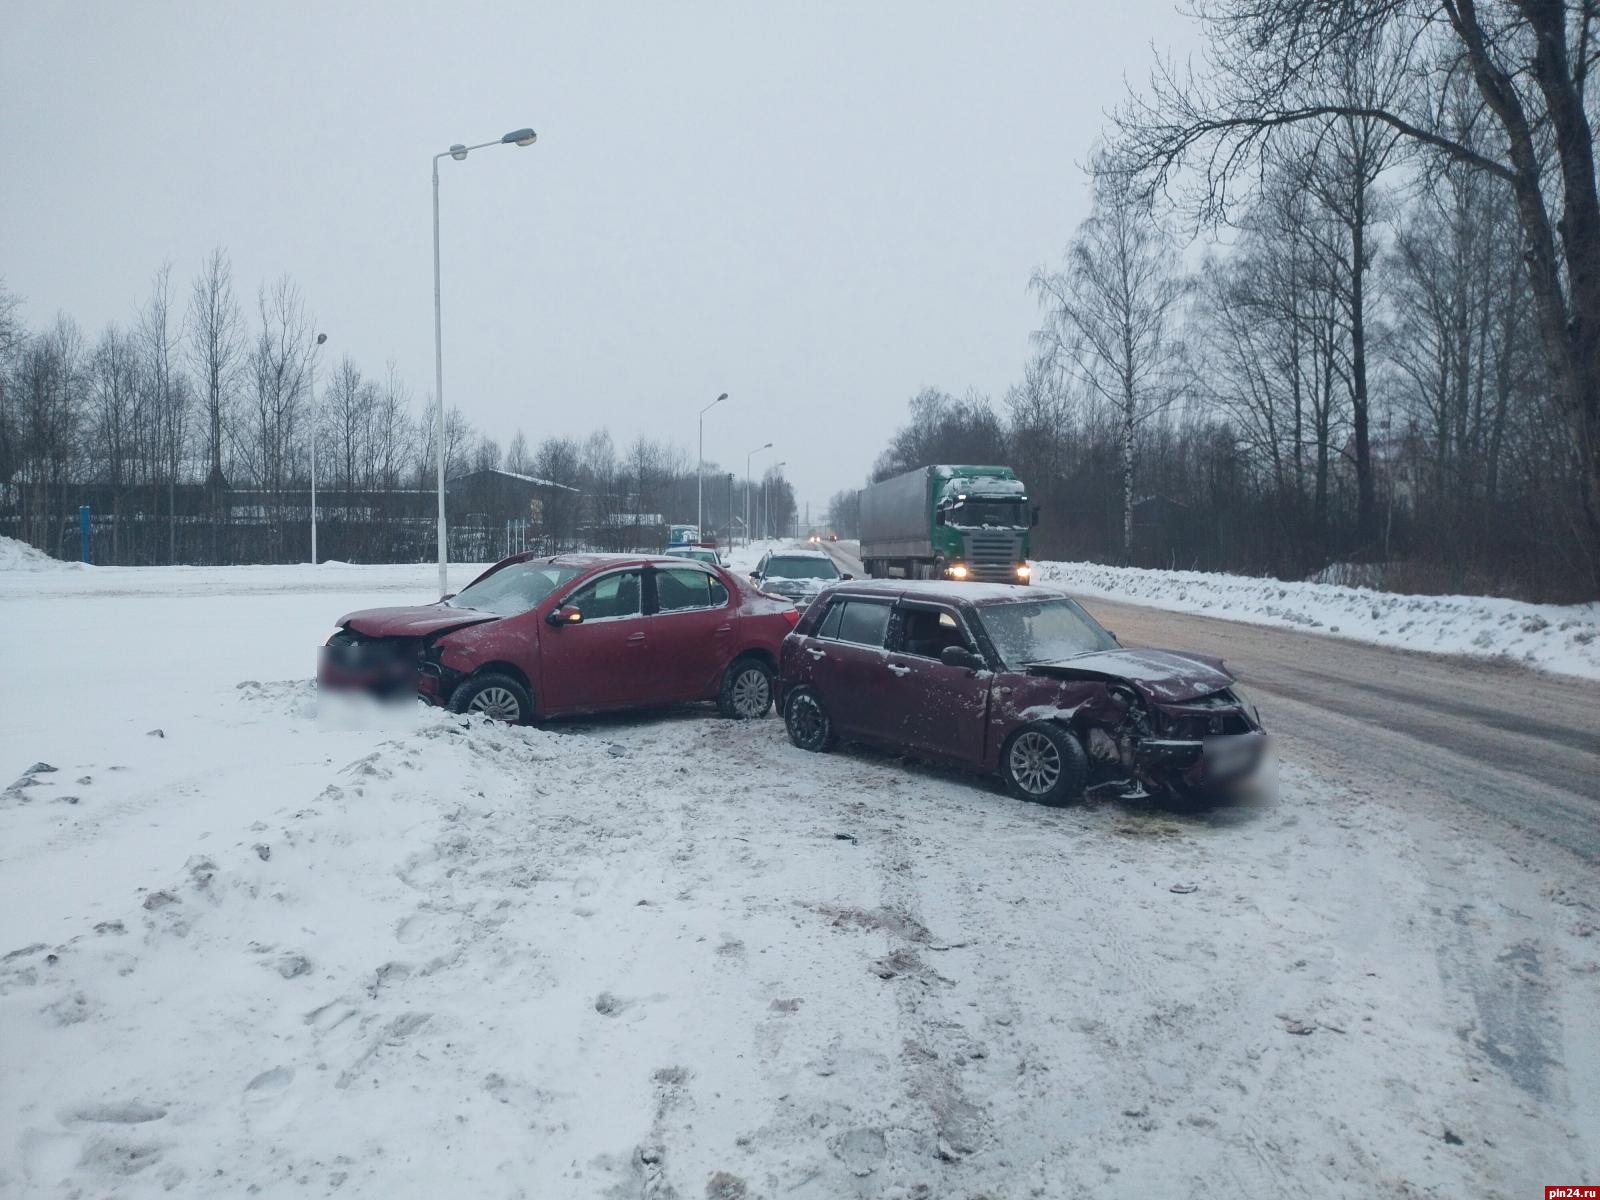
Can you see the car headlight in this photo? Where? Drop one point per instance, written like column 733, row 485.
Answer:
column 1247, row 701
column 956, row 572
column 1024, row 571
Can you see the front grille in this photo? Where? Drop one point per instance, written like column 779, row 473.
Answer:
column 993, row 556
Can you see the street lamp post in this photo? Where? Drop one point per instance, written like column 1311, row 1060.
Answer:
column 766, row 500
column 321, row 337
column 747, row 459
column 700, row 471
column 517, row 137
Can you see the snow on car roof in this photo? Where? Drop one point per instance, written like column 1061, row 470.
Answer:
column 800, row 554
column 954, row 593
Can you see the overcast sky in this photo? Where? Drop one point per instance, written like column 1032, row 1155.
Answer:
column 819, row 208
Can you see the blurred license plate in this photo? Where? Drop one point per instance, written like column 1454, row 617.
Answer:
column 1233, row 756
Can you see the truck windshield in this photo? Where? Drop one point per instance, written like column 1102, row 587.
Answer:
column 974, row 513
column 1034, row 631
column 514, row 589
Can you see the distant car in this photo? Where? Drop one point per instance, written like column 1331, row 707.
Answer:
column 814, row 539
column 698, row 553
column 1001, row 678
column 796, row 575
column 577, row 633
column 833, row 537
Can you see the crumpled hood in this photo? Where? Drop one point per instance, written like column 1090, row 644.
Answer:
column 418, row 620
column 1165, row 676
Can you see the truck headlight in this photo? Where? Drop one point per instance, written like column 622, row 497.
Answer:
column 1024, row 571
column 956, row 572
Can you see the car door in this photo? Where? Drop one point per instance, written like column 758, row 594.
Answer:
column 847, row 660
column 604, row 661
column 692, row 631
column 944, row 709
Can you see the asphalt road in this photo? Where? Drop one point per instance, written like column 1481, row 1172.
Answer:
column 1499, row 742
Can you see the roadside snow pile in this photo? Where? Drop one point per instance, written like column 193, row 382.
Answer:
column 19, row 556
column 1563, row 638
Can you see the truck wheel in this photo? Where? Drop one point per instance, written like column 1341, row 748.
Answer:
column 1044, row 763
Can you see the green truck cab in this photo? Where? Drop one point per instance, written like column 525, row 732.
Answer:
column 948, row 522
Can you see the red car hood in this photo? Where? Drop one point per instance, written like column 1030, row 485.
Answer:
column 420, row 620
column 1166, row 676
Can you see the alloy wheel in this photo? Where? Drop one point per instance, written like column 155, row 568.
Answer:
column 496, row 703
column 806, row 721
column 1035, row 763
column 752, row 693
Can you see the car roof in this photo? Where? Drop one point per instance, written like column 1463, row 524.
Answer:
column 960, row 594
column 585, row 560
column 798, row 554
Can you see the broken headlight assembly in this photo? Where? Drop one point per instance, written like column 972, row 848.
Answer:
column 1247, row 701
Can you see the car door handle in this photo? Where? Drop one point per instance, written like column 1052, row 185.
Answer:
column 723, row 629
column 636, row 639
column 902, row 672
column 816, row 653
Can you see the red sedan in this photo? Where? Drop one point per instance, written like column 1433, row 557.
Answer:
column 575, row 633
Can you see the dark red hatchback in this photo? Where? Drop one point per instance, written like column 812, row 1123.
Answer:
column 1017, row 680
column 575, row 633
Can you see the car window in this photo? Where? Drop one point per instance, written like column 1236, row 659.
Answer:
column 613, row 595
column 829, row 628
column 679, row 588
column 779, row 567
column 1043, row 631
column 863, row 622
column 514, row 589
column 927, row 632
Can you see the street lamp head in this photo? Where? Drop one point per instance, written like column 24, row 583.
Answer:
column 458, row 152
column 321, row 337
column 720, row 398
column 768, row 446
column 519, row 137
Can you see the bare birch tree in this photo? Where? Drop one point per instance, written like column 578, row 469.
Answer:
column 1111, row 315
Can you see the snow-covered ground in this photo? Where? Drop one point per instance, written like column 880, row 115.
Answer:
column 1563, row 638
column 665, row 955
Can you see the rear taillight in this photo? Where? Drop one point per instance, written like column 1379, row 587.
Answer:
column 792, row 615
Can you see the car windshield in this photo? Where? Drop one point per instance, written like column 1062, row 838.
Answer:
column 1032, row 631
column 514, row 589
column 801, row 568
column 974, row 514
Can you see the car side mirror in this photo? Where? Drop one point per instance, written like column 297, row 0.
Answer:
column 755, row 578
column 846, row 575
column 567, row 614
column 447, row 596
column 960, row 656
column 1034, row 519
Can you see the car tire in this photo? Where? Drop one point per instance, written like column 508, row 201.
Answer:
column 1044, row 763
column 498, row 697
column 746, row 692
column 808, row 723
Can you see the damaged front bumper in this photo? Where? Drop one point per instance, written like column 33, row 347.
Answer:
column 1200, row 762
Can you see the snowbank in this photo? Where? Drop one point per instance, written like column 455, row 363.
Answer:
column 19, row 556
column 1562, row 638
